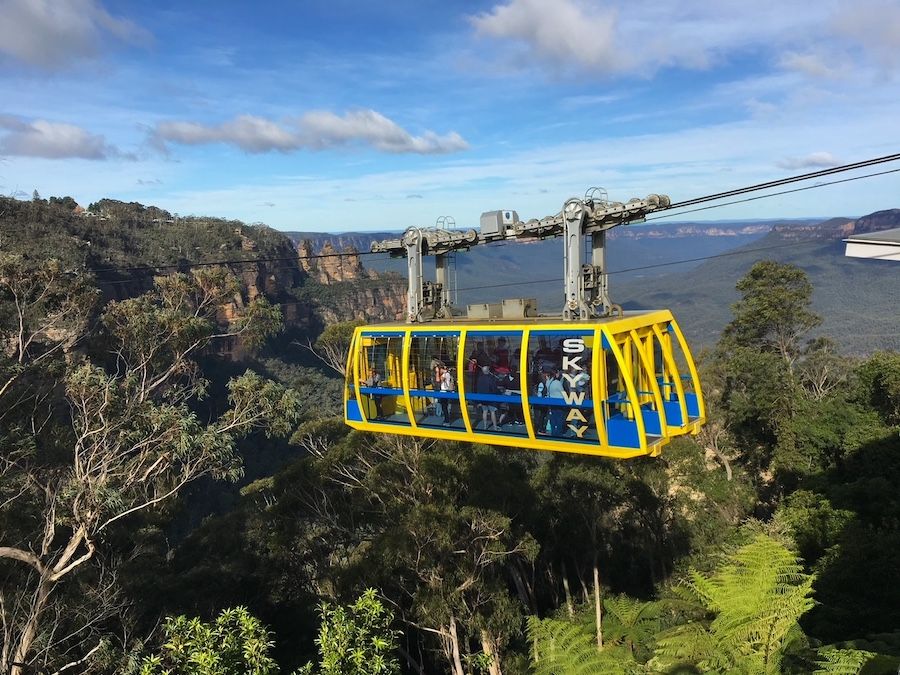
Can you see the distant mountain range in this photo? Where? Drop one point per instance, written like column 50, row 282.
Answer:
column 692, row 269
column 669, row 230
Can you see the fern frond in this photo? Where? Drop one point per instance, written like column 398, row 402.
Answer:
column 565, row 648
column 842, row 661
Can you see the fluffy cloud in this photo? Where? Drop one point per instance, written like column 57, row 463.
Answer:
column 52, row 140
column 52, row 34
column 560, row 31
column 616, row 37
column 317, row 130
column 815, row 160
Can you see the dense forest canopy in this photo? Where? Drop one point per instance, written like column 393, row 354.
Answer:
column 165, row 509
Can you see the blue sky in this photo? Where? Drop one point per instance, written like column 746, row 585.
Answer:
column 344, row 115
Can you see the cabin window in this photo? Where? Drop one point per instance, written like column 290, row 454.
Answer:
column 560, row 385
column 492, row 382
column 687, row 381
column 381, row 378
column 433, row 380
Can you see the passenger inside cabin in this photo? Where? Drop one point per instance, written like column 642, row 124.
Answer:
column 555, row 390
column 447, row 384
column 543, row 357
column 540, row 412
column 510, row 383
column 371, row 382
column 477, row 360
column 501, row 357
column 436, row 373
column 487, row 384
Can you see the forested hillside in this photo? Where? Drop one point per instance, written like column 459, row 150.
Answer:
column 170, row 503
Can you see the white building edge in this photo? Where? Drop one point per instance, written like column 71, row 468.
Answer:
column 876, row 245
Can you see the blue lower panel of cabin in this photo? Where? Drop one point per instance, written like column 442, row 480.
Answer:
column 652, row 424
column 622, row 432
column 673, row 413
column 693, row 404
column 353, row 413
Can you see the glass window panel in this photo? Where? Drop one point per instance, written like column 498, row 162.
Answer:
column 351, row 407
column 560, row 385
column 381, row 378
column 433, row 378
column 493, row 384
column 690, row 393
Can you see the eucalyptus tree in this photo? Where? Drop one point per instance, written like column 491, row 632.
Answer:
column 99, row 434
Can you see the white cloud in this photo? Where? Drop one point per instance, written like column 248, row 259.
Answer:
column 52, row 140
column 815, row 160
column 616, row 37
column 53, row 34
column 316, row 130
column 682, row 163
column 559, row 31
column 249, row 133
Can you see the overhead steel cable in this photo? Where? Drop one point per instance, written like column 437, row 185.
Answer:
column 773, row 194
column 786, row 181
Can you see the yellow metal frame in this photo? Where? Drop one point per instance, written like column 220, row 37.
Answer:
column 623, row 336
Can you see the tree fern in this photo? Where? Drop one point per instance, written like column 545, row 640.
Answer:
column 566, row 648
column 756, row 598
column 631, row 623
column 842, row 661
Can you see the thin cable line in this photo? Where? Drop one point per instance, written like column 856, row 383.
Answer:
column 786, row 181
column 653, row 266
column 772, row 194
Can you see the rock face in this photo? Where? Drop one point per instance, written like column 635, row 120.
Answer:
column 353, row 292
column 839, row 228
column 834, row 228
column 373, row 304
column 876, row 222
column 329, row 266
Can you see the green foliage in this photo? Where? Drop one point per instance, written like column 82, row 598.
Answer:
column 356, row 640
column 337, row 336
column 236, row 643
column 632, row 624
column 879, row 385
column 128, row 234
column 774, row 311
column 815, row 524
column 566, row 648
column 106, row 433
column 842, row 661
column 260, row 404
column 756, row 598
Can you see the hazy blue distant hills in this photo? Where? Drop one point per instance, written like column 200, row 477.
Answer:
column 653, row 230
column 512, row 268
column 858, row 298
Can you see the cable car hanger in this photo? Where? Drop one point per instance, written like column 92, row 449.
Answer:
column 586, row 285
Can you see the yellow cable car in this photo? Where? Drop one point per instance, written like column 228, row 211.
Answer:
column 618, row 387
